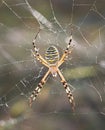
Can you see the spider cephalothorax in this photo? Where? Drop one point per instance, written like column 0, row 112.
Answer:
column 52, row 61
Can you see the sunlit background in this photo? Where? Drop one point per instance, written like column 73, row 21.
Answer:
column 84, row 69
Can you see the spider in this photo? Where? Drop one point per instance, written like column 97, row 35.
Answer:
column 52, row 61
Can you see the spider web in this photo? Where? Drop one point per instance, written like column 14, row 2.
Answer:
column 20, row 72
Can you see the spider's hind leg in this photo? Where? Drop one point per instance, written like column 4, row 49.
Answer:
column 69, row 94
column 68, row 91
column 38, row 89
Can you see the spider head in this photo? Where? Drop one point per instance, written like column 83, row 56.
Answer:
column 54, row 74
column 53, row 70
column 52, row 55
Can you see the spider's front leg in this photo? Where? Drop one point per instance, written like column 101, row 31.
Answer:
column 68, row 91
column 39, row 57
column 66, row 52
column 38, row 89
column 36, row 53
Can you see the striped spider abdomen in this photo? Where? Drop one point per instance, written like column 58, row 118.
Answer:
column 52, row 55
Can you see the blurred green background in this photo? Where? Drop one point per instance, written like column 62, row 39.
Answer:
column 84, row 69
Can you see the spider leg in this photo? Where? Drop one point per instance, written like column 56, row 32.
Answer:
column 36, row 53
column 38, row 89
column 66, row 52
column 68, row 91
column 39, row 58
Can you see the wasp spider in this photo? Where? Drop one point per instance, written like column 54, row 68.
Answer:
column 53, row 62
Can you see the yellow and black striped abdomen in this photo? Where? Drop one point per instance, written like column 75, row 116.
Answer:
column 52, row 55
